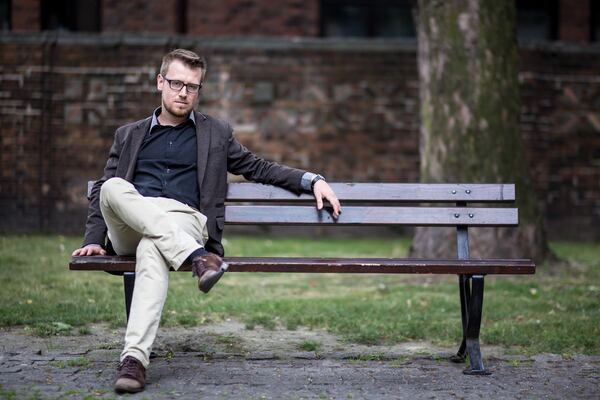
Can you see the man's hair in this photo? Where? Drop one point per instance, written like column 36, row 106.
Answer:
column 187, row 57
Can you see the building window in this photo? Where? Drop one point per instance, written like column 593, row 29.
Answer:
column 5, row 15
column 71, row 15
column 367, row 18
column 595, row 22
column 537, row 19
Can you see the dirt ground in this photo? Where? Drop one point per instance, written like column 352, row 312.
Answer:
column 226, row 361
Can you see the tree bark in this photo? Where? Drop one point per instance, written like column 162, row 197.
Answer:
column 469, row 132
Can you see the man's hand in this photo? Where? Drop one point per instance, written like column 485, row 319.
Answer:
column 322, row 190
column 90, row 250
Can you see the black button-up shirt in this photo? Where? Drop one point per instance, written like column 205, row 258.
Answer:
column 166, row 164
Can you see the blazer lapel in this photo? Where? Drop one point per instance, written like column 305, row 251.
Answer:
column 137, row 136
column 203, row 128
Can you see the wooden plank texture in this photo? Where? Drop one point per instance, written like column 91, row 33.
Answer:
column 376, row 192
column 381, row 192
column 355, row 215
column 334, row 265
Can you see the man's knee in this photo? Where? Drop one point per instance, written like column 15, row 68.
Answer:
column 110, row 186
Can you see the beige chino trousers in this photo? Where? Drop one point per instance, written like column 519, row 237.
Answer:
column 162, row 233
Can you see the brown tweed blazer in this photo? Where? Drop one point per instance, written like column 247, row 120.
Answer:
column 218, row 153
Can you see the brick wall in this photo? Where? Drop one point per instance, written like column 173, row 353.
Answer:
column 574, row 20
column 253, row 17
column 25, row 16
column 560, row 124
column 244, row 17
column 140, row 16
column 348, row 109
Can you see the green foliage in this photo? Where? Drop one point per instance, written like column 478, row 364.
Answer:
column 557, row 310
column 84, row 330
column 309, row 345
column 81, row 362
column 260, row 319
column 45, row 329
column 370, row 357
column 399, row 362
column 7, row 394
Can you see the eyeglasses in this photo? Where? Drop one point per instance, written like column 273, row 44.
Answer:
column 178, row 85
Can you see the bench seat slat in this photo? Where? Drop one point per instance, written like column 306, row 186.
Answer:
column 380, row 192
column 336, row 265
column 355, row 215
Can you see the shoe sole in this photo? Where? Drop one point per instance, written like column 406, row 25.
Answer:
column 128, row 389
column 121, row 391
column 212, row 277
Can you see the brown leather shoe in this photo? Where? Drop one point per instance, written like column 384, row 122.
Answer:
column 209, row 268
column 131, row 376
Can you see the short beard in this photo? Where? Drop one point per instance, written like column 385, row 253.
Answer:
column 177, row 112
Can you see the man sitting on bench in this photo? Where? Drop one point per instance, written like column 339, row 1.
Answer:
column 162, row 199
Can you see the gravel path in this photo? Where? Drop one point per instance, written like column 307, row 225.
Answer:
column 224, row 360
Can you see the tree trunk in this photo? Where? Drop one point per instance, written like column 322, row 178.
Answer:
column 469, row 93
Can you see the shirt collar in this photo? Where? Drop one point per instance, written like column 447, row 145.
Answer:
column 157, row 112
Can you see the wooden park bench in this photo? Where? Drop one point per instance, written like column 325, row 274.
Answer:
column 367, row 204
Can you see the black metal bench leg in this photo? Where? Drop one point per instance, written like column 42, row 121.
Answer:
column 465, row 297
column 475, row 307
column 128, row 285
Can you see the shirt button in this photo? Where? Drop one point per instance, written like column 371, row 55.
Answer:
column 168, row 170
column 170, row 143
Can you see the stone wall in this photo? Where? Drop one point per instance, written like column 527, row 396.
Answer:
column 348, row 109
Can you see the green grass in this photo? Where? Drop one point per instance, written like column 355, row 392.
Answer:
column 309, row 345
column 370, row 357
column 81, row 362
column 7, row 394
column 557, row 310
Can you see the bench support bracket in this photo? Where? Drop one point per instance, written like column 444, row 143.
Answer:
column 475, row 306
column 465, row 297
column 128, row 285
column 471, row 305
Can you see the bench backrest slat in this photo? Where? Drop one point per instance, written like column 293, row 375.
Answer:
column 381, row 192
column 377, row 210
column 353, row 215
column 376, row 192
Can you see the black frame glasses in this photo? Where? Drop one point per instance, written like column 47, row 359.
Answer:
column 177, row 85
